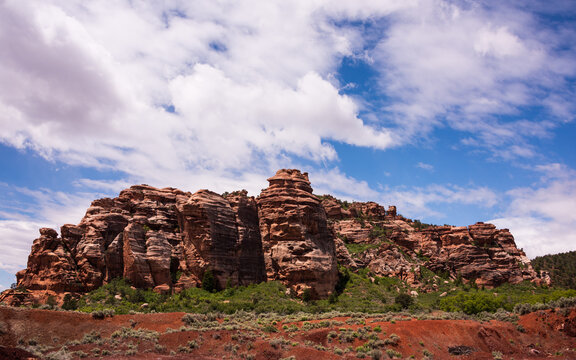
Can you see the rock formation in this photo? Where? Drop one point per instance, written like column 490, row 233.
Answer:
column 166, row 240
column 400, row 247
column 298, row 246
column 220, row 235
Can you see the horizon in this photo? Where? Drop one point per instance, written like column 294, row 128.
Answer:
column 456, row 112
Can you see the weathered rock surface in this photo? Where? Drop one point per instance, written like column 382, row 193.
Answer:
column 51, row 264
column 155, row 238
column 221, row 235
column 250, row 254
column 399, row 247
column 298, row 245
column 166, row 239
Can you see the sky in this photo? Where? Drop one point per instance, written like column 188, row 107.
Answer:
column 454, row 111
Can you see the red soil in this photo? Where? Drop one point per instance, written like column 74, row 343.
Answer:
column 537, row 336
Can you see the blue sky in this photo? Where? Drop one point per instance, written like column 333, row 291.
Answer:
column 454, row 111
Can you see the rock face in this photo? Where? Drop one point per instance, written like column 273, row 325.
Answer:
column 399, row 247
column 298, row 246
column 155, row 238
column 220, row 235
column 166, row 240
column 51, row 264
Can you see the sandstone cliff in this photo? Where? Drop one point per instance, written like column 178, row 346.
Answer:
column 166, row 239
column 298, row 246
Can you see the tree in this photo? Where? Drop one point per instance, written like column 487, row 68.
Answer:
column 307, row 294
column 69, row 303
column 404, row 300
column 209, row 281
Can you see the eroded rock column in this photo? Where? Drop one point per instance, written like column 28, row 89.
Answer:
column 298, row 246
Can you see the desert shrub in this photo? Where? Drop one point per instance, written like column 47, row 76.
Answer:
column 497, row 355
column 392, row 340
column 404, row 300
column 99, row 315
column 92, row 337
column 562, row 302
column 126, row 332
column 472, row 303
column 62, row 354
column 269, row 329
column 460, row 350
column 69, row 302
column 393, row 353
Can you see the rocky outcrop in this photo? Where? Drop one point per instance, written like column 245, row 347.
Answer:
column 221, row 234
column 135, row 236
column 250, row 254
column 297, row 243
column 51, row 265
column 155, row 238
column 167, row 239
column 479, row 252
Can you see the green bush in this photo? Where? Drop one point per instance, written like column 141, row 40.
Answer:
column 404, row 300
column 69, row 303
column 472, row 303
column 209, row 281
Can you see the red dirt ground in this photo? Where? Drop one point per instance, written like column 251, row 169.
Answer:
column 538, row 335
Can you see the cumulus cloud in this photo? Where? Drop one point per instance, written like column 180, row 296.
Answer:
column 477, row 69
column 248, row 83
column 334, row 182
column 543, row 217
column 90, row 83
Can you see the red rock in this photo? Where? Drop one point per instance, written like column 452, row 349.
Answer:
column 334, row 209
column 479, row 253
column 250, row 254
column 151, row 236
column 210, row 238
column 298, row 245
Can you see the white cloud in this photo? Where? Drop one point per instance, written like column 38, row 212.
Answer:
column 15, row 241
column 447, row 63
column 543, row 217
column 250, row 83
column 253, row 83
column 20, row 222
column 424, row 166
column 424, row 201
column 334, row 182
column 537, row 236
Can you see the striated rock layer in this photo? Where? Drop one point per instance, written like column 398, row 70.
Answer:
column 298, row 246
column 167, row 239
column 155, row 238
